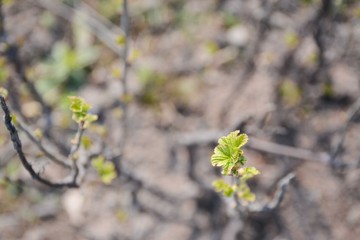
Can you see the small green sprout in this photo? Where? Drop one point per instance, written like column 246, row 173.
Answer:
column 121, row 40
column 80, row 109
column 229, row 156
column 38, row 133
column 105, row 169
column 86, row 142
column 221, row 186
column 291, row 40
column 14, row 119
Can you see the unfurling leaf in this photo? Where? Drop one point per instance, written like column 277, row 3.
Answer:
column 80, row 109
column 89, row 118
column 228, row 153
column 248, row 172
column 247, row 195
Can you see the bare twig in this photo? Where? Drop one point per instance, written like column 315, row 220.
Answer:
column 7, row 155
column 2, row 25
column 12, row 55
column 257, row 209
column 75, row 148
column 76, row 142
column 351, row 113
column 125, row 22
column 211, row 136
column 3, row 41
column 71, row 182
column 293, row 152
column 125, row 25
column 280, row 192
column 39, row 144
column 97, row 26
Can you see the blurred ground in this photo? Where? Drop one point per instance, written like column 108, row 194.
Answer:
column 282, row 71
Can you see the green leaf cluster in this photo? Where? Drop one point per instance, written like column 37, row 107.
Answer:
column 228, row 153
column 65, row 70
column 153, row 84
column 105, row 169
column 229, row 156
column 80, row 109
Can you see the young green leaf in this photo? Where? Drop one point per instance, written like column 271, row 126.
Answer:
column 105, row 169
column 247, row 195
column 248, row 172
column 89, row 118
column 228, row 153
column 221, row 186
column 80, row 109
column 86, row 142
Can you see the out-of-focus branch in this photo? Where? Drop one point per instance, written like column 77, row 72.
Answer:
column 13, row 57
column 76, row 142
column 12, row 54
column 96, row 25
column 351, row 113
column 280, row 192
column 321, row 28
column 211, row 136
column 39, row 144
column 125, row 25
column 205, row 137
column 68, row 182
column 74, row 149
column 270, row 207
column 8, row 154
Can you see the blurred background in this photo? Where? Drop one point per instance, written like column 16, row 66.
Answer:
column 285, row 72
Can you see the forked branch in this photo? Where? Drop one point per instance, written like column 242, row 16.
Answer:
column 70, row 181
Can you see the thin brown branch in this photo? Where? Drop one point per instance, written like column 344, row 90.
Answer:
column 280, row 192
column 12, row 54
column 67, row 182
column 351, row 113
column 76, row 142
column 39, row 144
column 74, row 149
column 288, row 151
column 264, row 209
column 125, row 22
column 125, row 25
